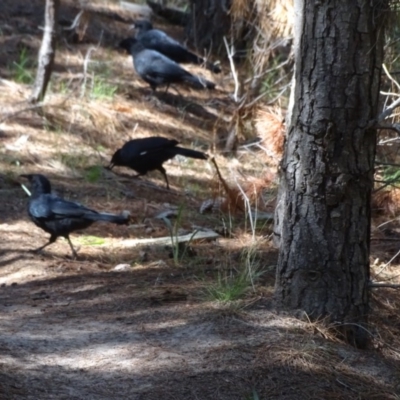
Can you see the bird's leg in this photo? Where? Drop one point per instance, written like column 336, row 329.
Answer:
column 51, row 240
column 138, row 175
column 75, row 254
column 177, row 91
column 166, row 90
column 164, row 172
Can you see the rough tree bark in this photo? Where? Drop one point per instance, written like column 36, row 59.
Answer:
column 323, row 212
column 47, row 51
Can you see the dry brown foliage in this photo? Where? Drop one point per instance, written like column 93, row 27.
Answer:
column 386, row 202
column 270, row 128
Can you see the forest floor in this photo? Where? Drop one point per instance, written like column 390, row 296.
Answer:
column 128, row 320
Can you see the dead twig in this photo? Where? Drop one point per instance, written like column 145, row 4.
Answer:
column 230, row 52
column 384, row 285
column 232, row 194
column 86, row 63
column 386, row 113
column 75, row 22
column 15, row 113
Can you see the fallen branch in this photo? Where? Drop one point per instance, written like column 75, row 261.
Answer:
column 384, row 285
column 172, row 15
column 15, row 113
column 166, row 240
column 139, row 9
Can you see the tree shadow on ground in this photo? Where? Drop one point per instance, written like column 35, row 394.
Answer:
column 103, row 335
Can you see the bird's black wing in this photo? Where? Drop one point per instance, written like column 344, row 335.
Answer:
column 156, row 39
column 53, row 207
column 153, row 64
column 161, row 42
column 176, row 51
column 137, row 147
column 57, row 208
column 63, row 208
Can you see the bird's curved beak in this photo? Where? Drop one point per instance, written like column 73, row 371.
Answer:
column 110, row 166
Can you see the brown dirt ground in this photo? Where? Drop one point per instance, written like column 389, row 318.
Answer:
column 84, row 329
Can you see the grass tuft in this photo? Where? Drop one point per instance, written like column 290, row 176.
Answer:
column 91, row 240
column 102, row 89
column 235, row 283
column 21, row 69
column 93, row 174
column 228, row 287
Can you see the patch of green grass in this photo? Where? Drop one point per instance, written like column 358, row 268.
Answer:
column 229, row 286
column 233, row 284
column 391, row 174
column 93, row 174
column 102, row 89
column 91, row 240
column 59, row 86
column 74, row 161
column 275, row 80
column 22, row 68
column 100, row 86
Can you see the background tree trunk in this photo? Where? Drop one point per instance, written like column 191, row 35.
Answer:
column 209, row 22
column 323, row 213
column 47, row 51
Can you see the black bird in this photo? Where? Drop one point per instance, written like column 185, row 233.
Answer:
column 148, row 154
column 157, row 69
column 60, row 217
column 158, row 40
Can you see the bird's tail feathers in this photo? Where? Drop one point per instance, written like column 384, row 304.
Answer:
column 195, row 59
column 121, row 219
column 192, row 58
column 190, row 153
column 200, row 83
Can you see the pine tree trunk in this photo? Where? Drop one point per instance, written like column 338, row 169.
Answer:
column 323, row 212
column 209, row 22
column 47, row 52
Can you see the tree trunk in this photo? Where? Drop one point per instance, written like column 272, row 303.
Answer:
column 323, row 212
column 47, row 52
column 208, row 23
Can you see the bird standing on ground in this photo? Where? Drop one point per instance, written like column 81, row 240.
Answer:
column 157, row 69
column 158, row 40
column 60, row 217
column 148, row 154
